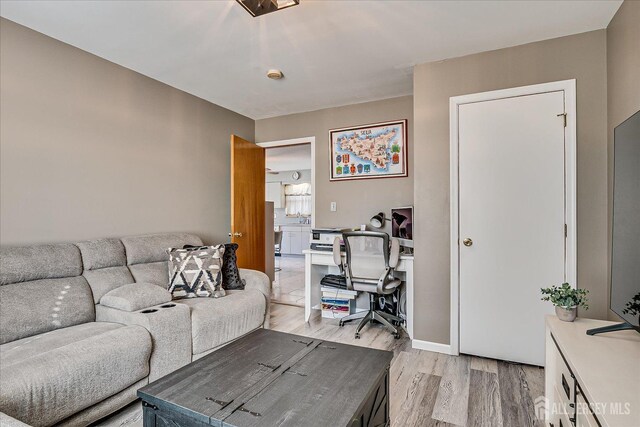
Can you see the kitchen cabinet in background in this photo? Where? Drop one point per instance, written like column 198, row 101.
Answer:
column 295, row 239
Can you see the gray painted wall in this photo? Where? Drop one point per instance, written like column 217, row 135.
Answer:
column 582, row 57
column 623, row 78
column 91, row 149
column 357, row 200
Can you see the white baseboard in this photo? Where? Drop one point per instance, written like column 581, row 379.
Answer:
column 431, row 346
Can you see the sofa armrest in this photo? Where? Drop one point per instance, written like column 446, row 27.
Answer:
column 135, row 296
column 256, row 280
column 168, row 324
column 259, row 281
column 8, row 421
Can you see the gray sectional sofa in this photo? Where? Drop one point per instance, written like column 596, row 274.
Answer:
column 84, row 325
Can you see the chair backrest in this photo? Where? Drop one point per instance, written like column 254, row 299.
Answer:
column 367, row 253
column 277, row 237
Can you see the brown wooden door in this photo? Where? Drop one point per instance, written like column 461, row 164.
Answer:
column 248, row 202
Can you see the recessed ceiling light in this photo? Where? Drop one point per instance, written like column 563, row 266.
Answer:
column 275, row 74
column 262, row 7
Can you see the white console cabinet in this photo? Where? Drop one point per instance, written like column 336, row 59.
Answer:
column 591, row 381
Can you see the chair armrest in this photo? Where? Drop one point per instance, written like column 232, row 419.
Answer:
column 169, row 325
column 258, row 280
column 8, row 421
column 135, row 296
column 394, row 253
column 337, row 255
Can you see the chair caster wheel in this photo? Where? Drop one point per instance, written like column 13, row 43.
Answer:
column 357, row 336
column 341, row 324
column 396, row 336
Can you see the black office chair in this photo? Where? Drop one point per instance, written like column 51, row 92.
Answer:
column 369, row 266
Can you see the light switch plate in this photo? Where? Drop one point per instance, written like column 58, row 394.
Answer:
column 334, row 207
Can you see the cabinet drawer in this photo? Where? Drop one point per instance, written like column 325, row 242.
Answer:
column 563, row 421
column 584, row 416
column 286, row 242
column 565, row 381
column 564, row 411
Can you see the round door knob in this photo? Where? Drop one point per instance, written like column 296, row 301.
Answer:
column 467, row 242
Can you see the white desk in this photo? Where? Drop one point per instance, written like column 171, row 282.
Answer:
column 317, row 264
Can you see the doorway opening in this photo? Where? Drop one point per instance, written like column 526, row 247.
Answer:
column 290, row 182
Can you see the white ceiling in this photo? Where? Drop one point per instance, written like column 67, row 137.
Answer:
column 331, row 52
column 291, row 158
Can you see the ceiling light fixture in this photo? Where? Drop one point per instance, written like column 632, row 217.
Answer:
column 275, row 74
column 262, row 7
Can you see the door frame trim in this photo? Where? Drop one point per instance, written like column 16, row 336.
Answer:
column 569, row 88
column 300, row 141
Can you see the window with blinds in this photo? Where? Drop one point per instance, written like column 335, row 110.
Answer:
column 297, row 199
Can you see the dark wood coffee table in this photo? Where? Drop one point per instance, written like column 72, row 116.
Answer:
column 270, row 378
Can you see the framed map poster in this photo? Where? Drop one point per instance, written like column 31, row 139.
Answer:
column 378, row 150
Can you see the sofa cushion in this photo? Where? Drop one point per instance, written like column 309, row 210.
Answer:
column 27, row 263
column 153, row 247
column 39, row 306
column 89, row 416
column 216, row 321
column 106, row 279
column 19, row 350
column 156, row 273
column 105, row 265
column 47, row 378
column 135, row 296
column 102, row 253
column 7, row 421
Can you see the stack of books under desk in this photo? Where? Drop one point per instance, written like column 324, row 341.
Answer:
column 337, row 303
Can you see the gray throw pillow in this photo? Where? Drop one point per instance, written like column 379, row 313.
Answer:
column 195, row 271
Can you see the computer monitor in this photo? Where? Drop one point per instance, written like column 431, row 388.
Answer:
column 402, row 225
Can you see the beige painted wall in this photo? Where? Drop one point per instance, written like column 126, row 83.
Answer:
column 90, row 149
column 623, row 77
column 357, row 201
column 582, row 57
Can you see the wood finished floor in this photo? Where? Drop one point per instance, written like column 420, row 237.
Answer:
column 434, row 389
column 288, row 287
column 427, row 389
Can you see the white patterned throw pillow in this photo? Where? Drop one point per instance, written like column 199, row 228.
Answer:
column 195, row 272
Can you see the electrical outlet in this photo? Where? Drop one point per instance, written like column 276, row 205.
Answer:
column 334, row 207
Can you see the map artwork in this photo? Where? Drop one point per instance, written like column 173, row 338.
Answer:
column 371, row 151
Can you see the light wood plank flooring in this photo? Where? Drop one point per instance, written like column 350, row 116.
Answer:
column 434, row 389
column 427, row 389
column 288, row 288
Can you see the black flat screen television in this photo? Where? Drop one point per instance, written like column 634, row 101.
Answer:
column 625, row 250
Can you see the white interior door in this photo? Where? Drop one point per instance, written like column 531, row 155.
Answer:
column 512, row 207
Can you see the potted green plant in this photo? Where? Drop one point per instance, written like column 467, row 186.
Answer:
column 566, row 300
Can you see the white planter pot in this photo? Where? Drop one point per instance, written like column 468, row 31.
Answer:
column 567, row 314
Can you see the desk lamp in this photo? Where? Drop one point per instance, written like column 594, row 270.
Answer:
column 378, row 220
